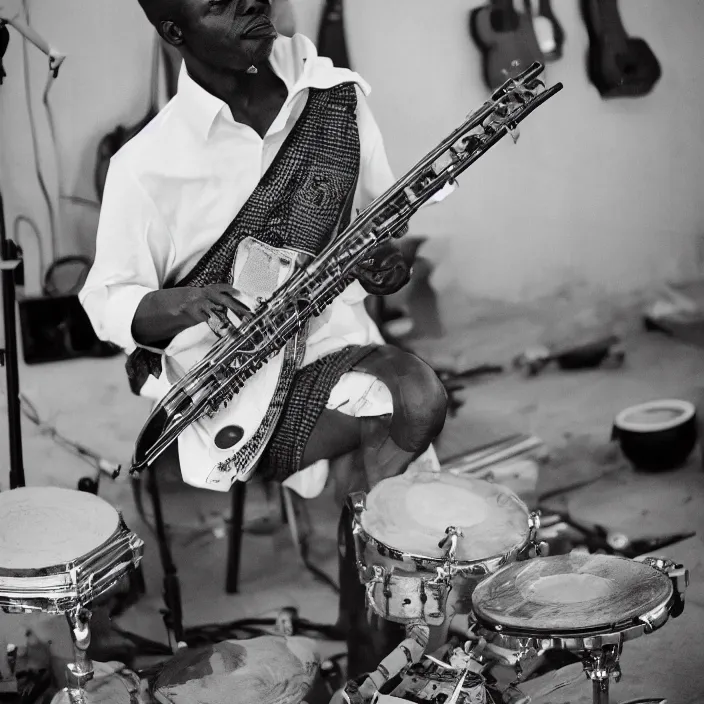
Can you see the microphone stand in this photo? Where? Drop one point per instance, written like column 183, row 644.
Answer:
column 11, row 269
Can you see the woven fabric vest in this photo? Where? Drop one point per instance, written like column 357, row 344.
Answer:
column 301, row 201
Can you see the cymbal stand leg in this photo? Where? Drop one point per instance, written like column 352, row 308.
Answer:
column 600, row 666
column 600, row 691
column 80, row 671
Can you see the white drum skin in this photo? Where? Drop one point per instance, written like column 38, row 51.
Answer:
column 60, row 549
column 398, row 530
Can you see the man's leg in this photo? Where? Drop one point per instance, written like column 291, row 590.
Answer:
column 385, row 446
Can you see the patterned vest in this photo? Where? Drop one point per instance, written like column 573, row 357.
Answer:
column 301, row 201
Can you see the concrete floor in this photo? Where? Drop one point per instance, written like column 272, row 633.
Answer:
column 89, row 401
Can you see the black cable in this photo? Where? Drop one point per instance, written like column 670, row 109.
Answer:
column 51, row 287
column 83, row 453
column 320, row 575
column 33, row 131
column 78, row 200
column 37, row 235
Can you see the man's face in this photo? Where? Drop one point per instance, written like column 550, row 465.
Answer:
column 226, row 34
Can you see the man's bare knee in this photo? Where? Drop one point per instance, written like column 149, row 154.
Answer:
column 419, row 397
column 419, row 415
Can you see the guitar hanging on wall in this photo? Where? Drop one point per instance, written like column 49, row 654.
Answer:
column 506, row 40
column 548, row 30
column 617, row 64
column 331, row 35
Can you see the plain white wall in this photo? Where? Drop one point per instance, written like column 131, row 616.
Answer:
column 596, row 194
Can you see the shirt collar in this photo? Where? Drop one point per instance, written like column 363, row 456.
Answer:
column 202, row 108
column 295, row 61
column 199, row 107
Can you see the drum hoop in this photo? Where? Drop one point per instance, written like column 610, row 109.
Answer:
column 576, row 641
column 435, row 562
column 77, row 563
column 650, row 621
column 83, row 586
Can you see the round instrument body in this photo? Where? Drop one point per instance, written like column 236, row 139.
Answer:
column 264, row 670
column 60, row 548
column 399, row 525
column 570, row 601
column 659, row 435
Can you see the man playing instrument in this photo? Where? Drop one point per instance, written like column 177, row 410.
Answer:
column 267, row 148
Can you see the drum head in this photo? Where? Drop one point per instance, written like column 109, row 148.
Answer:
column 265, row 670
column 411, row 512
column 570, row 593
column 42, row 527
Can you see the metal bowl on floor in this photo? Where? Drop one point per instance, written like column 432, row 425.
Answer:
column 657, row 436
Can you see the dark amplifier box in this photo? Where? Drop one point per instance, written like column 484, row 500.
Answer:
column 55, row 328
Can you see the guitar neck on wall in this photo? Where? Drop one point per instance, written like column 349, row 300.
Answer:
column 506, row 39
column 617, row 64
column 331, row 36
column 548, row 30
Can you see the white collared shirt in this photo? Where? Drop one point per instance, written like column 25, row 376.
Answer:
column 175, row 187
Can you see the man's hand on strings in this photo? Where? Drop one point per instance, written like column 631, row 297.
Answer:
column 199, row 304
column 385, row 271
column 163, row 314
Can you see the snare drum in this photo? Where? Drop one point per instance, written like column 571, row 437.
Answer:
column 418, row 536
column 60, row 548
column 577, row 602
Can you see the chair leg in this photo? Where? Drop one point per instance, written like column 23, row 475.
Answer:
column 290, row 513
column 282, row 498
column 234, row 551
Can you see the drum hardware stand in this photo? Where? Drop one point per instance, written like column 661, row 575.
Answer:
column 9, row 685
column 11, row 269
column 173, row 611
column 80, row 672
column 600, row 666
column 178, row 636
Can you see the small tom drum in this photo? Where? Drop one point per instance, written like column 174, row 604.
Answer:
column 60, row 549
column 578, row 602
column 420, row 535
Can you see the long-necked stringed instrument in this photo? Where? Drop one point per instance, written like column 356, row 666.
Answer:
column 222, row 391
column 548, row 30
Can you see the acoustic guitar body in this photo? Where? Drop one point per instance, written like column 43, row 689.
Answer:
column 617, row 64
column 506, row 40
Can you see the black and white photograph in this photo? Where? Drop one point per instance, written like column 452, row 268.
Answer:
column 352, row 352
